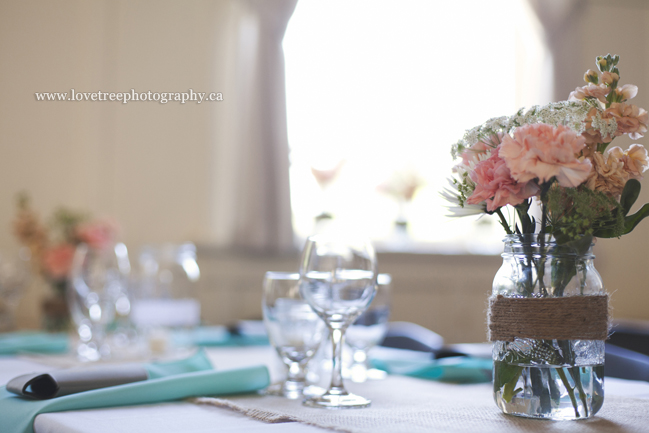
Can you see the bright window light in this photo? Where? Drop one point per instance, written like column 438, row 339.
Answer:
column 379, row 90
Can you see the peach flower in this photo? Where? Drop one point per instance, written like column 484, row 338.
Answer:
column 98, row 234
column 630, row 119
column 592, row 135
column 636, row 160
column 543, row 151
column 598, row 92
column 609, row 175
column 628, row 91
column 609, row 77
column 57, row 261
column 495, row 186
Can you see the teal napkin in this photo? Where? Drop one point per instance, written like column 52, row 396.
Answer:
column 33, row 341
column 169, row 381
column 215, row 336
column 457, row 369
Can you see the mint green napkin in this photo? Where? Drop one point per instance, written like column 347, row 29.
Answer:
column 457, row 369
column 34, row 342
column 169, row 381
column 215, row 336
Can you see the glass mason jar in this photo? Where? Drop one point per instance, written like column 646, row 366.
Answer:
column 548, row 377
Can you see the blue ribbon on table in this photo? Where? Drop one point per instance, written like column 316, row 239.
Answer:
column 169, row 381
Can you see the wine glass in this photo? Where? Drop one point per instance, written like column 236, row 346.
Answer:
column 294, row 329
column 98, row 280
column 338, row 279
column 368, row 330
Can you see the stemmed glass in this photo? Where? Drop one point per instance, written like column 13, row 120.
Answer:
column 294, row 329
column 338, row 279
column 98, row 279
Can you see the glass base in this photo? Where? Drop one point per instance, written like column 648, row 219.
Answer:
column 293, row 390
column 333, row 401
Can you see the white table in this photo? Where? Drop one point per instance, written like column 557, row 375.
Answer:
column 191, row 418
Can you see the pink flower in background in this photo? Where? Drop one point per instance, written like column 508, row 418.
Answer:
column 98, row 234
column 543, row 151
column 326, row 176
column 57, row 261
column 495, row 186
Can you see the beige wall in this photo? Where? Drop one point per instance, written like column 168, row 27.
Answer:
column 144, row 163
column 622, row 27
column 150, row 165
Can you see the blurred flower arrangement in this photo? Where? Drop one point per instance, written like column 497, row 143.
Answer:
column 402, row 185
column 558, row 153
column 52, row 247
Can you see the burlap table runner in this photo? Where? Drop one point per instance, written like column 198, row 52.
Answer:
column 403, row 404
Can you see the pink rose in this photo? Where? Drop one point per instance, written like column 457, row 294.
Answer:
column 57, row 261
column 98, row 234
column 495, row 186
column 541, row 151
column 630, row 119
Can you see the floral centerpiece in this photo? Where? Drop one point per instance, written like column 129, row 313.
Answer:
column 52, row 250
column 551, row 177
column 401, row 185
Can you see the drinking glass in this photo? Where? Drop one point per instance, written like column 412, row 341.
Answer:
column 294, row 329
column 368, row 331
column 338, row 279
column 98, row 280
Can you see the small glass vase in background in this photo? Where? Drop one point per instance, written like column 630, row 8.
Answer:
column 556, row 379
column 165, row 301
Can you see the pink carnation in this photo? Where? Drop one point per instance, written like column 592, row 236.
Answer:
column 98, row 234
column 57, row 261
column 495, row 186
column 541, row 151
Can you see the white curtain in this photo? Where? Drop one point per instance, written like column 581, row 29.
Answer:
column 252, row 210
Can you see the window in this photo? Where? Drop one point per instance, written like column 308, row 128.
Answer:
column 381, row 89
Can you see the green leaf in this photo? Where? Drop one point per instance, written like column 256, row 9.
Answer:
column 506, row 375
column 632, row 221
column 629, row 195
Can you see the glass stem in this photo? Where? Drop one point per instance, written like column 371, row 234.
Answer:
column 337, row 370
column 296, row 373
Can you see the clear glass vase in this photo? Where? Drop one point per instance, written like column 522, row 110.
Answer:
column 547, row 378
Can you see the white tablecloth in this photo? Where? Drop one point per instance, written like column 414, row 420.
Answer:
column 191, row 418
